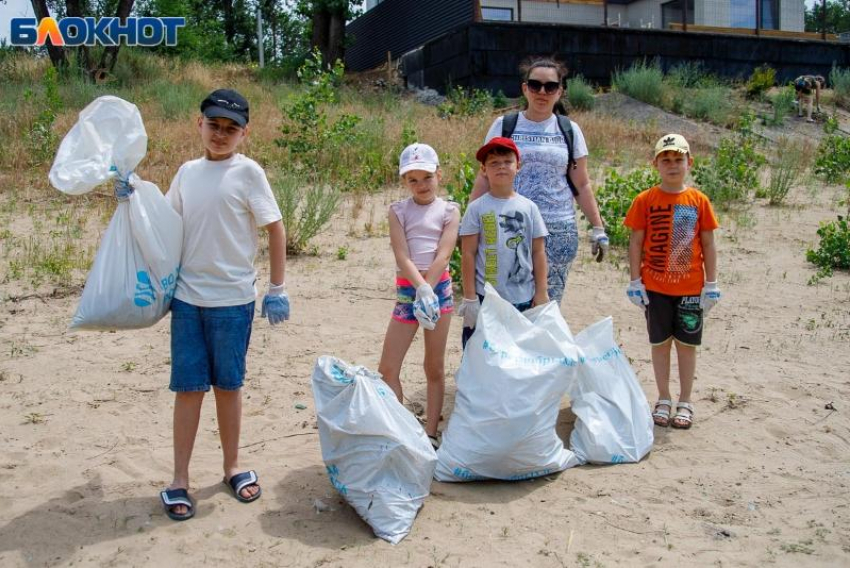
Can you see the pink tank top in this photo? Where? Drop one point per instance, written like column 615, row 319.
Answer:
column 423, row 226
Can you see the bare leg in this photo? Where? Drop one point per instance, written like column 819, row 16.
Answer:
column 435, row 372
column 396, row 343
column 661, row 366
column 228, row 410
column 187, row 416
column 687, row 356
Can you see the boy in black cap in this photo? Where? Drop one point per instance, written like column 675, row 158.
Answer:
column 223, row 198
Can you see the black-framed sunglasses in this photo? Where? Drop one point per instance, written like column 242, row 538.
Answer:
column 550, row 86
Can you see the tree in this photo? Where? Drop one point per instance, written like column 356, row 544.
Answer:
column 837, row 16
column 328, row 19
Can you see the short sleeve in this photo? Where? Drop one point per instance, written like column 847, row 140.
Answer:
column 538, row 226
column 707, row 218
column 495, row 129
column 470, row 224
column 636, row 218
column 261, row 200
column 580, row 150
column 173, row 196
column 450, row 211
column 397, row 209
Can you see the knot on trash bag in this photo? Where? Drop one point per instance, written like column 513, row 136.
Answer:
column 123, row 189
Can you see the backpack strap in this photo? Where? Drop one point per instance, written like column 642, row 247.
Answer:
column 566, row 126
column 509, row 125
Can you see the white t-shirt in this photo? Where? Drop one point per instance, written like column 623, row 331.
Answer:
column 544, row 156
column 506, row 229
column 222, row 204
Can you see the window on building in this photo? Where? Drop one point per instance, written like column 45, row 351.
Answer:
column 497, row 14
column 743, row 14
column 671, row 13
column 770, row 14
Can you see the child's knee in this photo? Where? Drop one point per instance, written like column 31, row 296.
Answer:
column 435, row 371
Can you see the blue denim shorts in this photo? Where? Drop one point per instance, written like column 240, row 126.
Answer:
column 208, row 346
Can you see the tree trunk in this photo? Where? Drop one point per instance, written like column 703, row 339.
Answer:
column 110, row 53
column 321, row 31
column 75, row 9
column 336, row 37
column 229, row 23
column 56, row 53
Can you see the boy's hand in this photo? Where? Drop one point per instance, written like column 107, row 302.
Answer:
column 599, row 243
column 540, row 299
column 469, row 310
column 637, row 293
column 276, row 304
column 709, row 297
column 426, row 306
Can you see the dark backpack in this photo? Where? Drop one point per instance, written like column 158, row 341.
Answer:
column 509, row 125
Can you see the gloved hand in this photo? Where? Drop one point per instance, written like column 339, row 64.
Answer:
column 709, row 297
column 122, row 188
column 599, row 243
column 276, row 304
column 637, row 293
column 469, row 310
column 426, row 306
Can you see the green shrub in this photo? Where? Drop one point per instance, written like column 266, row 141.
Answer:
column 830, row 125
column 712, row 104
column 642, row 81
column 832, row 162
column 762, row 79
column 579, row 93
column 783, row 106
column 833, row 251
column 42, row 139
column 789, row 164
column 840, row 80
column 733, row 170
column 178, row 100
column 616, row 196
column 689, row 75
column 500, row 100
column 465, row 102
column 459, row 191
column 306, row 207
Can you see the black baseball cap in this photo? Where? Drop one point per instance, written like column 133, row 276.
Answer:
column 226, row 103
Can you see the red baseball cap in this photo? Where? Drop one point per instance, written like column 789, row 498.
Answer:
column 497, row 142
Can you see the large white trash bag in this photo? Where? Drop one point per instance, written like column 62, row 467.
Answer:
column 614, row 424
column 515, row 370
column 376, row 454
column 135, row 271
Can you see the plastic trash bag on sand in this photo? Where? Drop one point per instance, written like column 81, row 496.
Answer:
column 376, row 454
column 515, row 369
column 135, row 271
column 613, row 421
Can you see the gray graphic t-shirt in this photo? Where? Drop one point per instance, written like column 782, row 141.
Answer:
column 505, row 229
column 543, row 152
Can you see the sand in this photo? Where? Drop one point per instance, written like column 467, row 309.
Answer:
column 762, row 477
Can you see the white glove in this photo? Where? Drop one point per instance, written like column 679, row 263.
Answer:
column 469, row 311
column 426, row 307
column 709, row 297
column 599, row 243
column 637, row 293
column 276, row 304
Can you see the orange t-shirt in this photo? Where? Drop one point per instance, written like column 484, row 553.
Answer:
column 672, row 261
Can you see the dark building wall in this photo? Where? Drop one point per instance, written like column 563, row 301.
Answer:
column 487, row 55
column 398, row 26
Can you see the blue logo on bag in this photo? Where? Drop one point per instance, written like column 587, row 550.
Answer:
column 145, row 293
column 339, row 376
column 333, row 472
column 617, row 458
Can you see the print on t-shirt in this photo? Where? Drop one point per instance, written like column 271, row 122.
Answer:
column 515, row 225
column 672, row 229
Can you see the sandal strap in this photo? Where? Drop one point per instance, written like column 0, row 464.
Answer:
column 242, row 480
column 662, row 413
column 173, row 497
column 686, row 405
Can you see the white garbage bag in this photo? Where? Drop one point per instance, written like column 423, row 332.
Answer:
column 613, row 424
column 376, row 454
column 135, row 270
column 515, row 369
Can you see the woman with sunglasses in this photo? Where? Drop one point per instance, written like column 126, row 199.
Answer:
column 543, row 175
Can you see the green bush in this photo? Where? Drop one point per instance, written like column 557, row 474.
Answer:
column 733, row 170
column 459, row 191
column 306, row 208
column 42, row 139
column 762, row 79
column 833, row 251
column 783, row 106
column 832, row 162
column 616, row 196
column 465, row 102
column 840, row 81
column 788, row 166
column 642, row 81
column 580, row 93
column 711, row 104
column 689, row 75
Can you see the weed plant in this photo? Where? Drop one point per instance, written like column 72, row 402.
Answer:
column 465, row 102
column 840, row 80
column 616, row 196
column 642, row 81
column 832, row 162
column 579, row 94
column 789, row 164
column 459, row 190
column 711, row 104
column 782, row 104
column 833, row 251
column 762, row 79
column 306, row 208
column 689, row 75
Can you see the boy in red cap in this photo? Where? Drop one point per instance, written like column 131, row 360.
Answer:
column 502, row 239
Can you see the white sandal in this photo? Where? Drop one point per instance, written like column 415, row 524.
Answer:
column 684, row 418
column 661, row 416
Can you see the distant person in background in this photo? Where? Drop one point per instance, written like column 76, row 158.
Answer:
column 808, row 87
column 554, row 169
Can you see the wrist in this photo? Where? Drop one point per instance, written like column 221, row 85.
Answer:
column 276, row 289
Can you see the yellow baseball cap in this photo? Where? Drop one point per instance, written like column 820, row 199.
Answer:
column 672, row 142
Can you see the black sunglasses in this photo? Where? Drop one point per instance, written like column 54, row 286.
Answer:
column 550, row 86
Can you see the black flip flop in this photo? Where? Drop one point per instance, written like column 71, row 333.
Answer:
column 242, row 480
column 173, row 497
